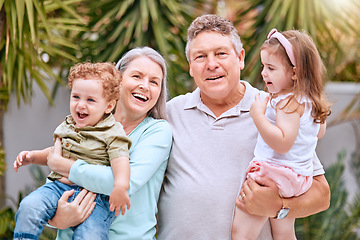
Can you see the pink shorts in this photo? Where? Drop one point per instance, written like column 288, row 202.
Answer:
column 290, row 183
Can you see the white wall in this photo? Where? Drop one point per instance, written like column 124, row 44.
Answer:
column 31, row 127
column 341, row 136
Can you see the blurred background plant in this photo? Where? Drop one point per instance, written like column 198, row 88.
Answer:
column 33, row 32
column 333, row 24
column 41, row 39
column 7, row 214
column 342, row 219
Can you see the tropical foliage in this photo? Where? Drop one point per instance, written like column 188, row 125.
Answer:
column 32, row 32
column 7, row 215
column 341, row 219
column 334, row 26
column 117, row 26
column 41, row 39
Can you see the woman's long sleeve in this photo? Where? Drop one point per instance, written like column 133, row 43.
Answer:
column 150, row 149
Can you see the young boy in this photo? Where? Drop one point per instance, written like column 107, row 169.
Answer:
column 90, row 133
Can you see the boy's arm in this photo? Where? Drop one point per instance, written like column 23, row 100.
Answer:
column 41, row 156
column 119, row 198
column 38, row 157
column 279, row 137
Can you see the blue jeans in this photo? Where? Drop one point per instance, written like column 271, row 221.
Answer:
column 40, row 206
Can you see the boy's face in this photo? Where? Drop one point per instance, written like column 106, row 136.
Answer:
column 87, row 104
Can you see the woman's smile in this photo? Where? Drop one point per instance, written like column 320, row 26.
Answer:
column 140, row 87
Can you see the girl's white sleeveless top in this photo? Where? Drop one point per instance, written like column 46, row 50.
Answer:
column 300, row 156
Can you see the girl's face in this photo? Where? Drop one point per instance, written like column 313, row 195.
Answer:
column 87, row 104
column 277, row 76
column 140, row 87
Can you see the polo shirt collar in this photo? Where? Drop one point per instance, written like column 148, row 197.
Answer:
column 194, row 101
column 248, row 98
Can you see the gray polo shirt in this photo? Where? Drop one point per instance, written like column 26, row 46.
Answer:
column 206, row 168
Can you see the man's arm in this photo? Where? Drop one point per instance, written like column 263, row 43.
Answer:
column 262, row 198
column 316, row 199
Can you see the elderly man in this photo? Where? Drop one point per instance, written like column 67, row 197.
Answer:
column 214, row 139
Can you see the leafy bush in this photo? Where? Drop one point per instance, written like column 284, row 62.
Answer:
column 7, row 215
column 342, row 218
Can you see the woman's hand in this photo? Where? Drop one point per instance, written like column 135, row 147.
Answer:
column 260, row 197
column 57, row 162
column 69, row 214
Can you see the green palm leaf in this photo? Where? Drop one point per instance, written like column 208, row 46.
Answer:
column 330, row 23
column 27, row 34
column 119, row 26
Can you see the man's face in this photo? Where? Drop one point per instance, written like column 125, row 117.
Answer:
column 214, row 65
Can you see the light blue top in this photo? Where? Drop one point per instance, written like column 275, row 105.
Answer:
column 149, row 153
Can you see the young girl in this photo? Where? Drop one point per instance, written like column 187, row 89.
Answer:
column 289, row 126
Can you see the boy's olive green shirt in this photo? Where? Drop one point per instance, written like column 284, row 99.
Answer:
column 94, row 144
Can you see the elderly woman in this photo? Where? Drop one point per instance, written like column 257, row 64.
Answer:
column 141, row 111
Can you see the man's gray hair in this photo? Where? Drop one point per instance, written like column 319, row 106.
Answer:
column 213, row 23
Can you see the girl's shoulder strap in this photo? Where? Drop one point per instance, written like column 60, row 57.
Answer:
column 290, row 103
column 278, row 98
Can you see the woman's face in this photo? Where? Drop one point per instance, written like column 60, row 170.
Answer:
column 140, row 87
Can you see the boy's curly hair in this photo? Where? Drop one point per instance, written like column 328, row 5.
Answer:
column 105, row 72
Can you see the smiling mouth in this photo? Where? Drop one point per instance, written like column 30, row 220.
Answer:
column 82, row 115
column 140, row 97
column 214, row 78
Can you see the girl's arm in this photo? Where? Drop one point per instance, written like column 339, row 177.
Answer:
column 322, row 130
column 146, row 156
column 279, row 137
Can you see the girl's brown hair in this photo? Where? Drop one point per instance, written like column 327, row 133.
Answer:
column 310, row 71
